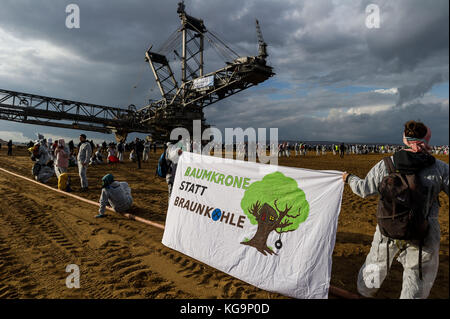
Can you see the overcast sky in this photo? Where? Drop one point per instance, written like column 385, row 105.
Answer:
column 336, row 79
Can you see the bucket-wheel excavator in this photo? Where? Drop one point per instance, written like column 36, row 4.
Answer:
column 181, row 101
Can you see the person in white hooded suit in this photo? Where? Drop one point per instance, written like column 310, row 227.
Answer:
column 173, row 153
column 114, row 194
column 434, row 175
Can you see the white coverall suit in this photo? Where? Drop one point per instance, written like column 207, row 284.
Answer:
column 118, row 196
column 173, row 156
column 374, row 270
column 46, row 172
column 84, row 156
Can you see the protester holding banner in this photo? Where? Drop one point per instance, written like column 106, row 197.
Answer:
column 274, row 228
column 432, row 174
column 173, row 153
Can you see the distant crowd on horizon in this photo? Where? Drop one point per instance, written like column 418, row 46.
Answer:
column 113, row 152
column 54, row 157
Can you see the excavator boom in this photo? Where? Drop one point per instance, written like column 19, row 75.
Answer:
column 180, row 103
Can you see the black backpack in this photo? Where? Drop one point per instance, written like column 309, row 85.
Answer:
column 403, row 208
column 164, row 166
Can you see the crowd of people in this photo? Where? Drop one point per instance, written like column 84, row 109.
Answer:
column 301, row 149
column 54, row 157
column 287, row 149
column 416, row 239
column 418, row 250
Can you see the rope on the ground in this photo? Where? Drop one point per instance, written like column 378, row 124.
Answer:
column 127, row 215
column 333, row 290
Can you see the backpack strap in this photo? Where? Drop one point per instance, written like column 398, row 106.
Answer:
column 389, row 164
column 387, row 255
column 420, row 259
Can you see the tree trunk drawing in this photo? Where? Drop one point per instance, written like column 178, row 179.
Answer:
column 268, row 220
column 259, row 240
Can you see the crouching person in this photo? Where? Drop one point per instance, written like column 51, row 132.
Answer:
column 42, row 173
column 115, row 194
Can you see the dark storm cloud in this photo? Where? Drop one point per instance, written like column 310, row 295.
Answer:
column 412, row 31
column 338, row 48
column 410, row 92
column 110, row 30
column 315, row 47
column 381, row 127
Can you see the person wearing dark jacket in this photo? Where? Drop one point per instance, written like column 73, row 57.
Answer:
column 434, row 175
column 104, row 146
column 120, row 150
column 342, row 150
column 92, row 145
column 138, row 149
column 71, row 146
column 10, row 144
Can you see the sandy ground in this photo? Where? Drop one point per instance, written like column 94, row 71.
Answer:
column 41, row 232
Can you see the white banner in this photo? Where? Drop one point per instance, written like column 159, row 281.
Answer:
column 203, row 82
column 271, row 226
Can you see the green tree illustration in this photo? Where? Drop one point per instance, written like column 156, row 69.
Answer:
column 274, row 204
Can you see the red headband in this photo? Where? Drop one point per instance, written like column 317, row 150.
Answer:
column 416, row 145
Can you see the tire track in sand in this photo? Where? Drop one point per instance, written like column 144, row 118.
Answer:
column 32, row 226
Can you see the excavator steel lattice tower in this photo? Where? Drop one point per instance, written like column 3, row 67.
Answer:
column 180, row 103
